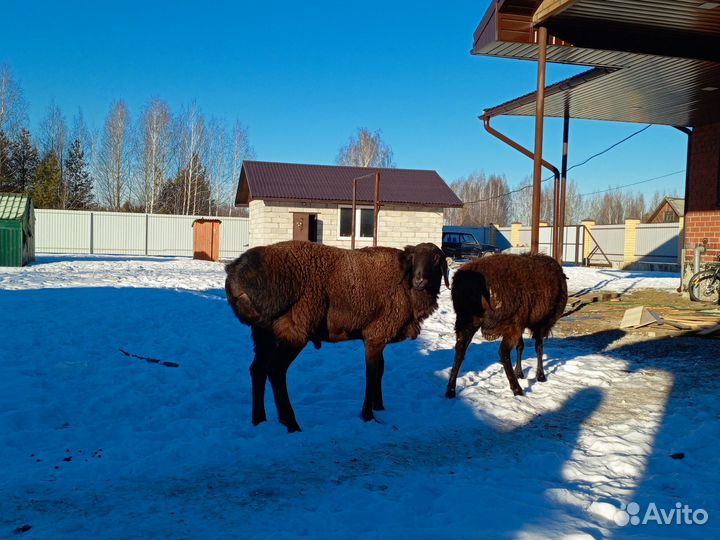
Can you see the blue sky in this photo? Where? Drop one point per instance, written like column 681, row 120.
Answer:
column 303, row 76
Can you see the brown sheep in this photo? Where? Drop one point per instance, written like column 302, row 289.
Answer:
column 291, row 293
column 503, row 295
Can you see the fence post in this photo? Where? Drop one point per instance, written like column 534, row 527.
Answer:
column 515, row 233
column 92, row 232
column 587, row 230
column 630, row 237
column 147, row 232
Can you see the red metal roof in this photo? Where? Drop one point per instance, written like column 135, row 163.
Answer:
column 292, row 181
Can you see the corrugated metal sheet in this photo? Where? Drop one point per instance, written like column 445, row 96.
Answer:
column 611, row 239
column 665, row 91
column 117, row 232
column 234, row 237
column 171, row 235
column 63, row 231
column 666, row 52
column 283, row 181
column 684, row 15
column 10, row 245
column 657, row 242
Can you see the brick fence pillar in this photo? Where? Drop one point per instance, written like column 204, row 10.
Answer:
column 630, row 237
column 515, row 233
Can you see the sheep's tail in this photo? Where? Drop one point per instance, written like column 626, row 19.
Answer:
column 235, row 289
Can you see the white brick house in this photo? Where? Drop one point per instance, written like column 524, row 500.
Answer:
column 313, row 202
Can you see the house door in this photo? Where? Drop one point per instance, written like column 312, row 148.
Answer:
column 305, row 227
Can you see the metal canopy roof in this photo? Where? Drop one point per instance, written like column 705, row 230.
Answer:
column 665, row 91
column 675, row 85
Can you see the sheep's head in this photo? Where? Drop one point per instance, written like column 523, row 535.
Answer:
column 426, row 266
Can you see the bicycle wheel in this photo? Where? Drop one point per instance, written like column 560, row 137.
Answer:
column 704, row 287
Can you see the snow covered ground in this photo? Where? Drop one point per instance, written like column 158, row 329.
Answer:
column 94, row 443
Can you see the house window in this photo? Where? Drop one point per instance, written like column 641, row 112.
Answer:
column 363, row 222
column 669, row 216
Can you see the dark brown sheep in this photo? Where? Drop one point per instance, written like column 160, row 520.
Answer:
column 503, row 295
column 294, row 292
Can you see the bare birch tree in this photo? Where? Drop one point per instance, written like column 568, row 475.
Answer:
column 216, row 153
column 13, row 114
column 191, row 138
column 522, row 202
column 485, row 201
column 113, row 158
column 12, row 119
column 240, row 150
column 154, row 153
column 574, row 205
column 366, row 149
column 80, row 131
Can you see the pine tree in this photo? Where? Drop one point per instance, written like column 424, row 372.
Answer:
column 48, row 184
column 78, row 184
column 23, row 163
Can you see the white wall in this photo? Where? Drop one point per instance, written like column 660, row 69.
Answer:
column 398, row 225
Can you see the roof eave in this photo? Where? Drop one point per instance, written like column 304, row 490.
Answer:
column 358, row 201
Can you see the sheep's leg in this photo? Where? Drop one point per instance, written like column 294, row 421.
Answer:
column 378, row 398
column 373, row 357
column 505, row 350
column 464, row 337
column 518, row 365
column 277, row 373
column 264, row 347
column 540, row 371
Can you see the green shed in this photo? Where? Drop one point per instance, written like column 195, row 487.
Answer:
column 17, row 230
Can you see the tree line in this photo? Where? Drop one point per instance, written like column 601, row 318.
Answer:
column 490, row 199
column 160, row 162
column 183, row 163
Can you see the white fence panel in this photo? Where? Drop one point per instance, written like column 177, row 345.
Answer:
column 524, row 239
column 65, row 231
column 657, row 242
column 172, row 235
column 611, row 239
column 234, row 237
column 117, row 232
column 60, row 231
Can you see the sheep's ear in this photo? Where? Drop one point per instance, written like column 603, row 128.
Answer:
column 410, row 254
column 407, row 260
column 444, row 268
column 486, row 301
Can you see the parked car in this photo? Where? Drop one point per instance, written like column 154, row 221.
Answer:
column 459, row 245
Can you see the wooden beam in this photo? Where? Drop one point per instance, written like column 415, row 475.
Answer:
column 550, row 8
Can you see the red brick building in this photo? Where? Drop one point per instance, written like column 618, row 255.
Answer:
column 655, row 62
